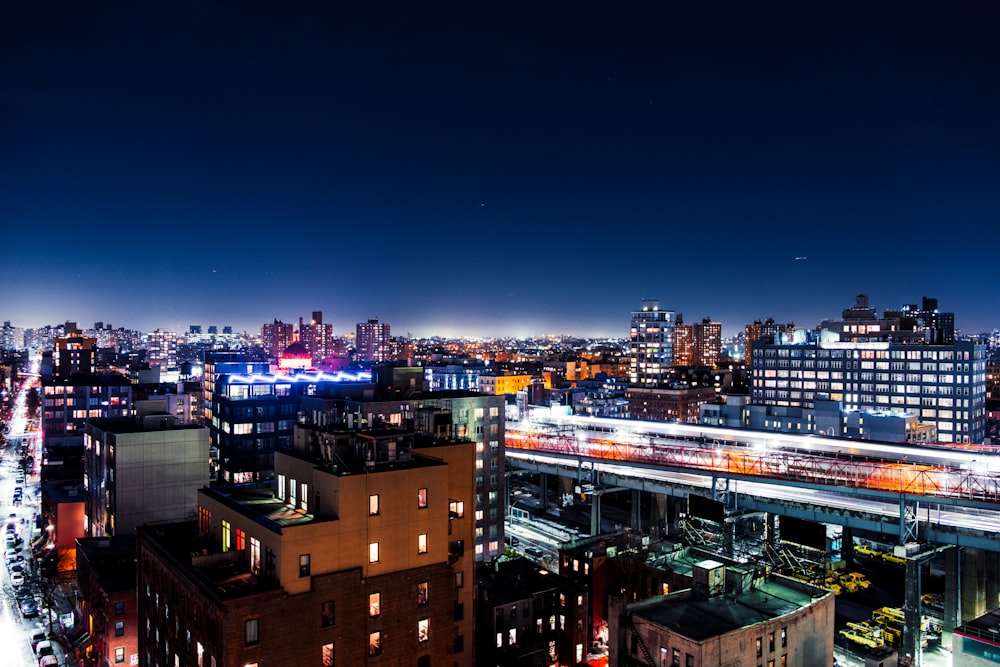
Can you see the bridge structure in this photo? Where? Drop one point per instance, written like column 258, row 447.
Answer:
column 926, row 497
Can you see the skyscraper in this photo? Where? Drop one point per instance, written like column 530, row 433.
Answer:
column 275, row 337
column 373, row 341
column 316, row 337
column 698, row 344
column 162, row 347
column 651, row 344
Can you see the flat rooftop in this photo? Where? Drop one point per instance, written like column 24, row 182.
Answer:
column 701, row 618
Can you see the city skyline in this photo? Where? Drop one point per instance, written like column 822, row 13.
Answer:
column 474, row 170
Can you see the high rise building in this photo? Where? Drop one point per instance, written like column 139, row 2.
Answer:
column 162, row 346
column 316, row 337
column 697, row 344
column 651, row 344
column 74, row 354
column 764, row 332
column 275, row 337
column 461, row 414
column 373, row 341
column 71, row 401
column 356, row 555
column 944, row 384
column 253, row 416
column 141, row 470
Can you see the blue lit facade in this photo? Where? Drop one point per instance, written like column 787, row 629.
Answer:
column 252, row 416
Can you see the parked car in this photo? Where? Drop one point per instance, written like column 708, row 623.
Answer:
column 48, row 661
column 44, row 647
column 29, row 608
column 16, row 579
column 37, row 635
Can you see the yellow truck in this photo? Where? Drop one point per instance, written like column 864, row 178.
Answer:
column 854, row 581
column 865, row 550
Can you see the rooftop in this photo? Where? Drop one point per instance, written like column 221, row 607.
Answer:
column 700, row 618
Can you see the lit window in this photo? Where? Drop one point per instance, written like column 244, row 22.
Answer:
column 304, row 565
column 241, row 539
column 373, row 552
column 423, row 629
column 227, row 535
column 422, row 498
column 374, row 604
column 456, row 509
column 120, row 654
column 373, row 504
column 252, row 632
column 422, row 543
column 422, row 593
column 328, row 652
column 374, row 643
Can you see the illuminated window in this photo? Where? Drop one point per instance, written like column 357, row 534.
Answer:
column 423, row 629
column 373, row 552
column 255, row 555
column 422, row 498
column 304, row 565
column 374, row 605
column 422, row 593
column 456, row 509
column 241, row 539
column 784, row 637
column 252, row 632
column 227, row 535
column 120, row 654
column 373, row 504
column 374, row 643
column 328, row 653
column 422, row 543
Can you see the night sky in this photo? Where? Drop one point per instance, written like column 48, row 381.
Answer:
column 496, row 168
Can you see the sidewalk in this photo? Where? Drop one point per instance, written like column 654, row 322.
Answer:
column 61, row 609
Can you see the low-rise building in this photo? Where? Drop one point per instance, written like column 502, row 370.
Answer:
column 730, row 616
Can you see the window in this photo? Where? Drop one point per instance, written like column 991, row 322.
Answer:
column 227, row 535
column 770, row 643
column 241, row 540
column 255, row 555
column 784, row 637
column 119, row 628
column 456, row 509
column 423, row 629
column 374, row 604
column 374, row 643
column 327, row 613
column 422, row 592
column 373, row 504
column 204, row 521
column 422, row 543
column 119, row 608
column 760, row 647
column 120, row 654
column 303, row 565
column 252, row 632
column 459, row 579
column 373, row 552
column 422, row 498
column 328, row 660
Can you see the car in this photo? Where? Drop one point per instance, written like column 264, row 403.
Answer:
column 44, row 647
column 17, row 579
column 10, row 555
column 534, row 552
column 29, row 608
column 37, row 635
column 48, row 661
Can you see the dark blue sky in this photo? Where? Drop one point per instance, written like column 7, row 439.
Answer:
column 496, row 168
